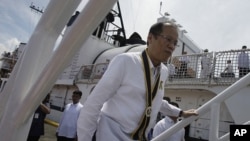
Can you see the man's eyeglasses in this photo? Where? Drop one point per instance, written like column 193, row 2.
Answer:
column 168, row 39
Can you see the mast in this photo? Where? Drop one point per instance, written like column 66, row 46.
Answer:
column 36, row 8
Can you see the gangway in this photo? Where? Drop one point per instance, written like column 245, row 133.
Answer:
column 228, row 95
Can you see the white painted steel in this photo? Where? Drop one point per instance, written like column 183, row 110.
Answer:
column 16, row 95
column 214, row 124
column 95, row 11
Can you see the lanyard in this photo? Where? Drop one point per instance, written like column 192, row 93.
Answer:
column 139, row 133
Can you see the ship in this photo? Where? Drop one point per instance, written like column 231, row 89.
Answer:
column 221, row 100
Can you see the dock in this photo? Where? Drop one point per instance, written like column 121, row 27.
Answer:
column 49, row 133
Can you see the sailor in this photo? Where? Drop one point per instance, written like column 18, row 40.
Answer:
column 125, row 102
column 205, row 64
column 243, row 62
column 184, row 60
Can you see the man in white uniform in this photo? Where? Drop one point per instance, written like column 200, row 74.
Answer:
column 123, row 107
column 205, row 65
column 166, row 123
column 228, row 71
column 184, row 60
column 68, row 123
column 243, row 62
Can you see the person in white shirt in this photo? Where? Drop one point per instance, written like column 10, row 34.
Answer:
column 165, row 124
column 243, row 62
column 123, row 107
column 205, row 65
column 184, row 60
column 228, row 71
column 67, row 130
column 171, row 69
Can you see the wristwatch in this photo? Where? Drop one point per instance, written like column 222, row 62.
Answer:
column 180, row 114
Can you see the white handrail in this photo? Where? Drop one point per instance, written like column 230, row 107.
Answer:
column 14, row 122
column 227, row 93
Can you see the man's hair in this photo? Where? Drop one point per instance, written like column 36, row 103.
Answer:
column 175, row 104
column 47, row 98
column 78, row 92
column 167, row 98
column 157, row 28
column 244, row 47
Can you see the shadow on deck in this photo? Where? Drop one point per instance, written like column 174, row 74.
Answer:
column 193, row 139
column 50, row 133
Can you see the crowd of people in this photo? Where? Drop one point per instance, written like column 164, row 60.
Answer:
column 210, row 65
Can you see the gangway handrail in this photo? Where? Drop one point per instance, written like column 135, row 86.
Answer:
column 227, row 93
column 226, row 136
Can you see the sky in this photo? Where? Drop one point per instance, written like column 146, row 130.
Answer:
column 216, row 25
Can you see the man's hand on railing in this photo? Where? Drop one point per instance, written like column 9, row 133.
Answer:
column 188, row 113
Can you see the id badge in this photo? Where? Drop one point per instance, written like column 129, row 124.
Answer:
column 36, row 115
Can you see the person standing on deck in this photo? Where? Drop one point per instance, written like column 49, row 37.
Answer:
column 123, row 106
column 184, row 60
column 166, row 123
column 37, row 125
column 68, row 123
column 205, row 65
column 243, row 62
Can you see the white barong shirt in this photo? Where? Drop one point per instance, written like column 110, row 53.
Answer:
column 119, row 100
column 68, row 123
column 165, row 124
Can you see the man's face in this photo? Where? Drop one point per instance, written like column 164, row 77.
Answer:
column 76, row 98
column 163, row 44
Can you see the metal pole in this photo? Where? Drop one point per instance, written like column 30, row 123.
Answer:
column 37, row 54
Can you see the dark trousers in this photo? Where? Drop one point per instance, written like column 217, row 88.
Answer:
column 33, row 138
column 60, row 138
column 243, row 71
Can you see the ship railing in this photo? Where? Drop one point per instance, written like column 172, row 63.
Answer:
column 211, row 72
column 8, row 61
column 9, row 56
column 91, row 73
column 212, row 106
column 6, row 66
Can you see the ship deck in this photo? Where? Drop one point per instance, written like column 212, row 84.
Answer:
column 50, row 134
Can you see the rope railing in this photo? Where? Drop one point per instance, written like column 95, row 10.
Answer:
column 213, row 68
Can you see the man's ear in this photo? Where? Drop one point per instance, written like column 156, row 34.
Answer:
column 150, row 37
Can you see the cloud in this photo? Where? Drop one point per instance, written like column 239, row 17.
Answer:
column 2, row 48
column 17, row 23
column 210, row 24
column 9, row 45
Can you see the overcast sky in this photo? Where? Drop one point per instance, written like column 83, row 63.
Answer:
column 213, row 24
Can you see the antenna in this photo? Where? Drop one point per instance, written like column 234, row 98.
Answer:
column 160, row 9
column 33, row 7
column 165, row 14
